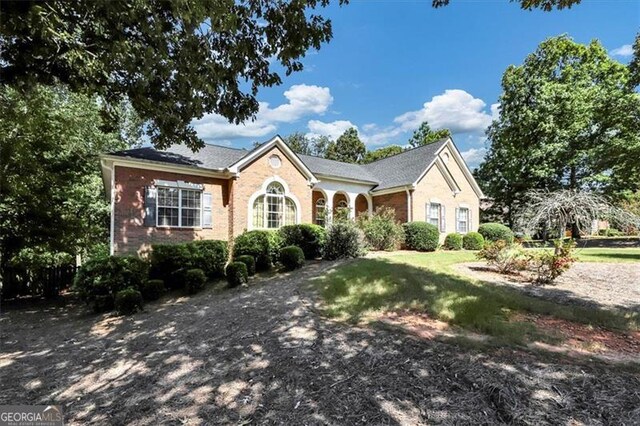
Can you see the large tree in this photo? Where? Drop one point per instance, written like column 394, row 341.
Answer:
column 546, row 5
column 303, row 144
column 348, row 147
column 380, row 153
column 173, row 60
column 634, row 65
column 424, row 135
column 52, row 193
column 568, row 120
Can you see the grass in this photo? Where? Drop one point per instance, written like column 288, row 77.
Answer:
column 620, row 255
column 425, row 282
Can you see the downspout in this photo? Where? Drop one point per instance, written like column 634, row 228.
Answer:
column 230, row 239
column 112, row 225
column 409, row 206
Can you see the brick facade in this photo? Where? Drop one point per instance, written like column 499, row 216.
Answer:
column 252, row 178
column 397, row 201
column 130, row 234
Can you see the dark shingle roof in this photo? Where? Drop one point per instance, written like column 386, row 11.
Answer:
column 212, row 157
column 404, row 168
column 326, row 167
column 398, row 170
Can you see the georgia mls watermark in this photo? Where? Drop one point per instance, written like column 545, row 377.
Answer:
column 31, row 415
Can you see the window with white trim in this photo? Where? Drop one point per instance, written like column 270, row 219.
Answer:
column 434, row 214
column 179, row 207
column 321, row 206
column 463, row 220
column 273, row 209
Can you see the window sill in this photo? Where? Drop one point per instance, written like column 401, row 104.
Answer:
column 186, row 228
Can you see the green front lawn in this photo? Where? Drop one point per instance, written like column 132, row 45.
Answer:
column 426, row 282
column 608, row 254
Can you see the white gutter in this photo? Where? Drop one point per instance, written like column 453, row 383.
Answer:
column 409, row 206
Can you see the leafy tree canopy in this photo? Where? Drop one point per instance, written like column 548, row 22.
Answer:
column 424, row 135
column 348, row 148
column 380, row 153
column 634, row 65
column 173, row 60
column 301, row 144
column 52, row 192
column 568, row 120
column 546, row 5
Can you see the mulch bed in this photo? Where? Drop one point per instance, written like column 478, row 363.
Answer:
column 600, row 285
column 263, row 355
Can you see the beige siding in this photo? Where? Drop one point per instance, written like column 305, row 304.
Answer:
column 434, row 187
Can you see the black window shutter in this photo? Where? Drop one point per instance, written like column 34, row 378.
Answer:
column 150, row 206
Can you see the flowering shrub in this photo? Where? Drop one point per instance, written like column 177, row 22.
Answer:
column 506, row 258
column 549, row 265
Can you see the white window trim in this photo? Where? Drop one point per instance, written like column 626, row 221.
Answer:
column 429, row 217
column 179, row 226
column 458, row 221
column 263, row 191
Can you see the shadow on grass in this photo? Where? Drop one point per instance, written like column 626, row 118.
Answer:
column 367, row 286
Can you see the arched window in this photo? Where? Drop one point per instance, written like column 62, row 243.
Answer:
column 342, row 204
column 273, row 209
column 321, row 212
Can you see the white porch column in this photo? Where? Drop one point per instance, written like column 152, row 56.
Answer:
column 352, row 204
column 369, row 203
column 328, row 206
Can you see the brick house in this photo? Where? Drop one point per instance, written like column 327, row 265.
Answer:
column 177, row 195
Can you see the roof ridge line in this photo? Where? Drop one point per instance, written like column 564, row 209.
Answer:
column 408, row 150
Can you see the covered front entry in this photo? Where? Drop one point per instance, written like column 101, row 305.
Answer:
column 327, row 203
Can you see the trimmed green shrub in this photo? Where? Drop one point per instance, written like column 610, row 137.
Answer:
column 128, row 301
column 249, row 261
column 169, row 262
column 421, row 236
column 152, row 290
column 453, row 242
column 194, row 280
column 344, row 240
column 166, row 259
column 291, row 257
column 237, row 274
column 262, row 245
column 310, row 238
column 495, row 232
column 98, row 280
column 381, row 231
column 473, row 241
column 210, row 256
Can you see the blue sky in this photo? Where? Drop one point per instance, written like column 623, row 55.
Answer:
column 393, row 64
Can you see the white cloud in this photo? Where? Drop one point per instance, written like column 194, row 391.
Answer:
column 624, row 50
column 303, row 100
column 495, row 111
column 332, row 129
column 473, row 156
column 455, row 110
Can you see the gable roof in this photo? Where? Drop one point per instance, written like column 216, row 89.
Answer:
column 405, row 168
column 399, row 170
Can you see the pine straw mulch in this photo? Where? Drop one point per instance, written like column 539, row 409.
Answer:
column 263, row 355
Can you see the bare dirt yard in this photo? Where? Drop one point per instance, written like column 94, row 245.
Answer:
column 263, row 355
column 602, row 285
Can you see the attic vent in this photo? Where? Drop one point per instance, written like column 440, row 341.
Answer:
column 274, row 161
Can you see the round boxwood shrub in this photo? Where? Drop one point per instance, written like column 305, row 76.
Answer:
column 166, row 259
column 262, row 245
column 291, row 257
column 250, row 262
column 344, row 240
column 237, row 274
column 152, row 289
column 495, row 232
column 453, row 241
column 473, row 241
column 194, row 280
column 128, row 301
column 310, row 238
column 421, row 236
